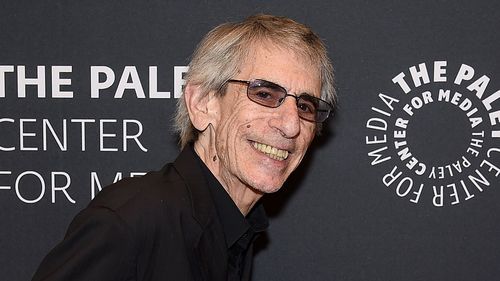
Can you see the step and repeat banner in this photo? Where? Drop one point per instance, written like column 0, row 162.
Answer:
column 403, row 185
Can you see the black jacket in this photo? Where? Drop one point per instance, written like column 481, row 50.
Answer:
column 162, row 226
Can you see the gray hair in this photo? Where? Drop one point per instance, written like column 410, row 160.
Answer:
column 219, row 55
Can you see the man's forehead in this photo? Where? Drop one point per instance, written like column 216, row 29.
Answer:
column 267, row 50
column 283, row 66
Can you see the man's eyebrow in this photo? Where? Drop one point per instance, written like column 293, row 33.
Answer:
column 306, row 93
column 297, row 93
column 300, row 92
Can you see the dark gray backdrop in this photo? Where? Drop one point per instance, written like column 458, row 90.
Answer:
column 335, row 219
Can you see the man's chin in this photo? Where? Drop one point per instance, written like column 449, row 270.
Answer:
column 266, row 188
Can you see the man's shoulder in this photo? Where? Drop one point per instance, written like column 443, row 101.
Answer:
column 157, row 189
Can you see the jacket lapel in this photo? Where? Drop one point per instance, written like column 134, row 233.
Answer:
column 209, row 250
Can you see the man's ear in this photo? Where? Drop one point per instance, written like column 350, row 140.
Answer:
column 199, row 106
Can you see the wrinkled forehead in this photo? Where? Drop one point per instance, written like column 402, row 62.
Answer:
column 292, row 69
column 297, row 52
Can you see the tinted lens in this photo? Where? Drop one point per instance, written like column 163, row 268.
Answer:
column 272, row 95
column 312, row 108
column 266, row 93
column 306, row 107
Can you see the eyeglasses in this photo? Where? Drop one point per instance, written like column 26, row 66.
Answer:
column 272, row 95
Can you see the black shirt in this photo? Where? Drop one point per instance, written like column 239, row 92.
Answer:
column 240, row 231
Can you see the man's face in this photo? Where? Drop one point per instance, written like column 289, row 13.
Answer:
column 246, row 133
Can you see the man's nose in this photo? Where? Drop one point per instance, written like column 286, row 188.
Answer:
column 286, row 120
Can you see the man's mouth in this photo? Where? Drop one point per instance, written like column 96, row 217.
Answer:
column 271, row 151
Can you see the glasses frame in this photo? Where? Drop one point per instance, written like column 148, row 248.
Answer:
column 323, row 116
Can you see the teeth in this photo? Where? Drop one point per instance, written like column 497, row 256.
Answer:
column 270, row 151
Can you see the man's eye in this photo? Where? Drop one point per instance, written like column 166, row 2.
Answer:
column 306, row 107
column 263, row 95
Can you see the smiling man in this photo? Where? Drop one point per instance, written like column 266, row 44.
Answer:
column 256, row 95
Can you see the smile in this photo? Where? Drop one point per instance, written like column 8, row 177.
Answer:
column 272, row 152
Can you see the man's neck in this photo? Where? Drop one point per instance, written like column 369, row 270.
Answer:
column 244, row 196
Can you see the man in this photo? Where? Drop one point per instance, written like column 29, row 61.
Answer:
column 256, row 94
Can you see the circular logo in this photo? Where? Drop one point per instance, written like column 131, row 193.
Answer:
column 436, row 134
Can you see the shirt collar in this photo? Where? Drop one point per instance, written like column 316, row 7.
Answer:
column 233, row 222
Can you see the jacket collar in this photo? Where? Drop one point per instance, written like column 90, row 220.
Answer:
column 209, row 241
column 189, row 169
